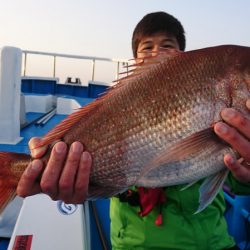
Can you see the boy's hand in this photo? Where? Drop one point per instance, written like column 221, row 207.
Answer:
column 65, row 177
column 236, row 131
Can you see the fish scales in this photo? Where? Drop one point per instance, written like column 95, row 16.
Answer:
column 154, row 128
column 149, row 113
column 131, row 126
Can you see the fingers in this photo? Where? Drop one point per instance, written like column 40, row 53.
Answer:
column 29, row 181
column 52, row 172
column 36, row 152
column 240, row 171
column 82, row 180
column 66, row 177
column 74, row 184
column 237, row 120
column 28, row 184
column 236, row 132
column 234, row 138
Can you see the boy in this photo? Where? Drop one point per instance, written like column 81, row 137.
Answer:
column 180, row 228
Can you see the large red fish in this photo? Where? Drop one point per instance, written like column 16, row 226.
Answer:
column 155, row 127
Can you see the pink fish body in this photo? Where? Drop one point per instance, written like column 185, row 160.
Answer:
column 155, row 127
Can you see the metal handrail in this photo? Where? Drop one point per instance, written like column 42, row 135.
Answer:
column 91, row 58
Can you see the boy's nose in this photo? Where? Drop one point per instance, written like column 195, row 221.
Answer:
column 154, row 50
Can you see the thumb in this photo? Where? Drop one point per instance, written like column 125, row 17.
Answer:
column 36, row 152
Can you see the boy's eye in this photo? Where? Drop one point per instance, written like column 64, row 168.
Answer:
column 168, row 46
column 147, row 48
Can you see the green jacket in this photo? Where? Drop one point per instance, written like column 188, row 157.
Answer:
column 181, row 228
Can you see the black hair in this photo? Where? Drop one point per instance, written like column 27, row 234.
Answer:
column 158, row 22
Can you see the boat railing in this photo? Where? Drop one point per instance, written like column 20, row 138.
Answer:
column 118, row 62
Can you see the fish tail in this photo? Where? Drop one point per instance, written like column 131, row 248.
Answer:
column 12, row 165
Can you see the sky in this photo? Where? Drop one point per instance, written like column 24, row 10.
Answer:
column 103, row 28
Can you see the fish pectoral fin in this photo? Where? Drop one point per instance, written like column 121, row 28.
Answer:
column 102, row 192
column 210, row 188
column 188, row 185
column 185, row 149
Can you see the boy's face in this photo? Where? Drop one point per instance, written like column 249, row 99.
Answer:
column 150, row 45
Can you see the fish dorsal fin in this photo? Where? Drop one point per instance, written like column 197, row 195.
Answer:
column 210, row 188
column 143, row 64
column 61, row 129
column 184, row 149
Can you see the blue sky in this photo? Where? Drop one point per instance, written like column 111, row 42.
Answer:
column 104, row 27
